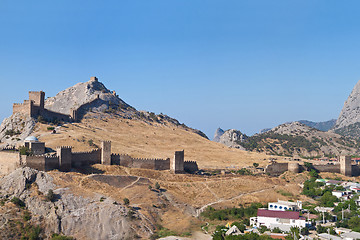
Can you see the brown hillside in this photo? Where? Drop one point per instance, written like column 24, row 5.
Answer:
column 147, row 140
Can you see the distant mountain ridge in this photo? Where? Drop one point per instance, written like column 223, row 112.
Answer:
column 293, row 139
column 296, row 138
column 322, row 126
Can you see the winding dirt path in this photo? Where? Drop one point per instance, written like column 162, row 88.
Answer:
column 200, row 210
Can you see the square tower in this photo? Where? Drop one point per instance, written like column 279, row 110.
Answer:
column 177, row 164
column 38, row 98
column 106, row 152
column 65, row 158
column 345, row 165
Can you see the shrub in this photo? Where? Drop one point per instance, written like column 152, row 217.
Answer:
column 126, row 201
column 56, row 236
column 17, row 202
column 102, row 199
column 50, row 196
column 157, row 185
column 25, row 151
column 27, row 216
column 255, row 165
column 50, row 128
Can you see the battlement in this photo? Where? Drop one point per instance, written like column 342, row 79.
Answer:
column 88, row 152
column 8, row 148
column 63, row 147
column 39, row 92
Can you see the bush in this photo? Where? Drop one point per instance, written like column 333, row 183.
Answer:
column 50, row 196
column 157, row 185
column 56, row 236
column 12, row 132
column 126, row 201
column 50, row 128
column 17, row 202
column 25, row 151
column 27, row 216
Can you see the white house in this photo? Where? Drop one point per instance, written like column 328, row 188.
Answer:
column 282, row 219
column 350, row 236
column 285, row 206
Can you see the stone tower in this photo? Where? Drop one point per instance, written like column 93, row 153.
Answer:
column 177, row 164
column 38, row 98
column 106, row 152
column 294, row 167
column 65, row 157
column 345, row 165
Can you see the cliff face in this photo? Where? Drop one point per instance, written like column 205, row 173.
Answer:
column 350, row 113
column 230, row 138
column 71, row 214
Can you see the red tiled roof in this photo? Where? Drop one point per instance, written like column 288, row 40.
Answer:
column 277, row 214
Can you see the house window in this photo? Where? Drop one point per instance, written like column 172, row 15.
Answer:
column 285, row 208
column 280, row 207
column 271, row 205
column 275, row 206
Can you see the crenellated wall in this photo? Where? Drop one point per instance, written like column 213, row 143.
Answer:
column 80, row 159
column 190, row 166
column 65, row 160
column 148, row 163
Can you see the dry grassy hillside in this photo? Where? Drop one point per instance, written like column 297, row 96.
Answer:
column 147, row 140
column 177, row 206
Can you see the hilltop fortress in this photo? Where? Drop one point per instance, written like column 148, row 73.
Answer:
column 35, row 107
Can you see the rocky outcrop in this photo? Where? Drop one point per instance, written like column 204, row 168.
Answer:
column 92, row 93
column 232, row 138
column 70, row 214
column 350, row 113
column 15, row 129
column 218, row 133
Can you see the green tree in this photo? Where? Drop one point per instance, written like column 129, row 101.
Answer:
column 157, row 185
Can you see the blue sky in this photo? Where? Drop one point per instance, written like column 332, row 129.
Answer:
column 232, row 64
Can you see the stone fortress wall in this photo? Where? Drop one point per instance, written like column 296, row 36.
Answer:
column 344, row 167
column 65, row 160
column 35, row 107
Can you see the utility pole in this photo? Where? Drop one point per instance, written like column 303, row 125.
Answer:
column 342, row 214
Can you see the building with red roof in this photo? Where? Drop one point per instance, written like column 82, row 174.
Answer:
column 278, row 219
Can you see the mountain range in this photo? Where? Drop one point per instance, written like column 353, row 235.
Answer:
column 306, row 138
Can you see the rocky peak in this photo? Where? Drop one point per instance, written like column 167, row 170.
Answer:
column 83, row 93
column 292, row 128
column 218, row 133
column 350, row 113
column 232, row 137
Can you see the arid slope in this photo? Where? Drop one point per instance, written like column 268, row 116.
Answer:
column 147, row 140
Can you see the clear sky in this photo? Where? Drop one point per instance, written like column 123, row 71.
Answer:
column 237, row 64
